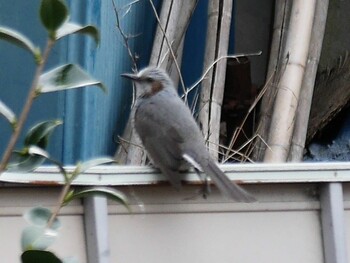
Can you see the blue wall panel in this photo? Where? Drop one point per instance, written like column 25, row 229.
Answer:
column 194, row 47
column 96, row 118
column 91, row 118
column 17, row 67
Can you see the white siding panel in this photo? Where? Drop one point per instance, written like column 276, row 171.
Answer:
column 264, row 237
column 169, row 226
column 70, row 242
column 15, row 201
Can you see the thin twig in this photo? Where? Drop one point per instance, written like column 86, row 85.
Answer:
column 194, row 103
column 253, row 142
column 27, row 106
column 214, row 62
column 128, row 6
column 252, row 107
column 122, row 140
column 234, row 152
column 125, row 37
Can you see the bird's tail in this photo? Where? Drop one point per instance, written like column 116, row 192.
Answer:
column 224, row 184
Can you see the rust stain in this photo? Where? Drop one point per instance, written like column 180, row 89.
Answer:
column 238, row 181
column 45, row 183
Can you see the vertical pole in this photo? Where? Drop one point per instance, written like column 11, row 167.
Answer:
column 96, row 229
column 86, row 109
column 333, row 225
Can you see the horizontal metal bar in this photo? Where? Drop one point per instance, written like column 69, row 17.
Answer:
column 113, row 175
column 19, row 210
column 217, row 207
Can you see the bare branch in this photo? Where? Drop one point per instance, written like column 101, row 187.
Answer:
column 188, row 90
column 124, row 35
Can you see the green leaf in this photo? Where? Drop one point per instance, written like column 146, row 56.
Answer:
column 107, row 192
column 8, row 113
column 40, row 133
column 18, row 39
column 30, row 158
column 24, row 162
column 37, row 237
column 83, row 167
column 39, row 216
column 53, row 14
column 65, row 77
column 27, row 163
column 35, row 150
column 39, row 256
column 69, row 28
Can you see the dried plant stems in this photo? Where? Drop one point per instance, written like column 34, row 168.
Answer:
column 251, row 109
column 282, row 11
column 218, row 32
column 303, row 111
column 297, row 47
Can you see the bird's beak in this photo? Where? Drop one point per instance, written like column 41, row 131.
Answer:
column 130, row 76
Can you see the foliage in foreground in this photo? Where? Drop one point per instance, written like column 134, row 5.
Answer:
column 43, row 223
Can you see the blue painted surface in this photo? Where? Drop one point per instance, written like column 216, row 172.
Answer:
column 91, row 119
column 194, row 47
column 96, row 118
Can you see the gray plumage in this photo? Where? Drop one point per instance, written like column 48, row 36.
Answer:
column 170, row 134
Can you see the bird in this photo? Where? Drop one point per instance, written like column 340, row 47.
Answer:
column 170, row 134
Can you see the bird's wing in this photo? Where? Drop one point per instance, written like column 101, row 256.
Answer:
column 161, row 139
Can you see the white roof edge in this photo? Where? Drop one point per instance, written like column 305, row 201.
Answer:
column 114, row 175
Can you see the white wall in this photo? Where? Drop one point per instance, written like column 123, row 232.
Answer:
column 166, row 227
column 15, row 201
column 170, row 226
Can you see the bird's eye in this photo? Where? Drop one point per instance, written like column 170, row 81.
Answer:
column 148, row 79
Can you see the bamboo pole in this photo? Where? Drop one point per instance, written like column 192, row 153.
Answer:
column 160, row 51
column 282, row 12
column 182, row 22
column 304, row 106
column 218, row 33
column 297, row 47
column 172, row 71
column 204, row 102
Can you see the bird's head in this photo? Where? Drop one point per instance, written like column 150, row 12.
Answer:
column 150, row 81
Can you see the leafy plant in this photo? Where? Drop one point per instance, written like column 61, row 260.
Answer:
column 44, row 224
